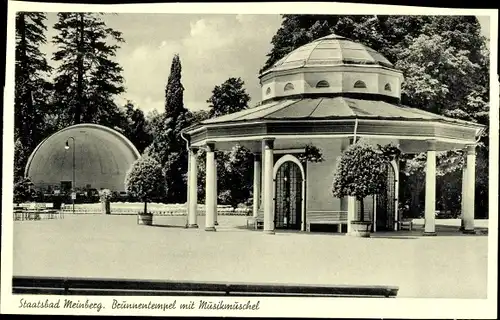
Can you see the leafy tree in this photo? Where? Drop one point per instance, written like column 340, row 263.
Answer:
column 135, row 127
column 360, row 172
column 21, row 155
column 198, row 116
column 22, row 190
column 168, row 147
column 235, row 167
column 229, row 97
column 145, row 180
column 87, row 78
column 31, row 87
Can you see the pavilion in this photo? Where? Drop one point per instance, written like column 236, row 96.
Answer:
column 328, row 93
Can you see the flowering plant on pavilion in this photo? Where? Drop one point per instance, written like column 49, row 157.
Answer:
column 311, row 154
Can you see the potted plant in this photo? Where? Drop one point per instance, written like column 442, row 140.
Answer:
column 105, row 196
column 145, row 180
column 360, row 172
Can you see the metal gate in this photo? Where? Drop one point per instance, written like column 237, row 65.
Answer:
column 288, row 201
column 386, row 202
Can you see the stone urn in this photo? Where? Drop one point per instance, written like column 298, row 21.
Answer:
column 105, row 196
column 360, row 229
column 106, row 207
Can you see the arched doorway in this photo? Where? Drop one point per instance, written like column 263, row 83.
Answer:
column 386, row 202
column 288, row 197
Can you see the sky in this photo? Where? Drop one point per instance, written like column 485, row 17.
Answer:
column 212, row 48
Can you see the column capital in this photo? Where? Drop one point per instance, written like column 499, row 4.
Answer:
column 431, row 145
column 194, row 149
column 210, row 145
column 471, row 149
column 268, row 142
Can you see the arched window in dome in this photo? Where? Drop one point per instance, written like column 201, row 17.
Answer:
column 268, row 91
column 360, row 84
column 387, row 87
column 289, row 86
column 322, row 84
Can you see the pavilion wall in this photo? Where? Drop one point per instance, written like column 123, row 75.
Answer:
column 320, row 178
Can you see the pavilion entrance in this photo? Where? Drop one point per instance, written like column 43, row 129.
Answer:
column 386, row 202
column 288, row 197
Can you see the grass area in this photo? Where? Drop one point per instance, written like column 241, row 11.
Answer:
column 451, row 266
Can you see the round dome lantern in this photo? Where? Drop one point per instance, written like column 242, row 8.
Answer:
column 102, row 158
column 332, row 64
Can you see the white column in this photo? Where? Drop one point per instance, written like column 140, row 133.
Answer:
column 210, row 189
column 468, row 214
column 262, row 179
column 464, row 190
column 430, row 189
column 351, row 212
column 216, row 195
column 268, row 183
column 256, row 183
column 192, row 188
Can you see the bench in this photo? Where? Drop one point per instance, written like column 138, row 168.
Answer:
column 405, row 224
column 326, row 217
column 256, row 221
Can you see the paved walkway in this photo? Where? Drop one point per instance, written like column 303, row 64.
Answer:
column 450, row 265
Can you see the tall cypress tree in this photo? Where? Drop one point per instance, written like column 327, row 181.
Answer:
column 31, row 87
column 87, row 78
column 167, row 146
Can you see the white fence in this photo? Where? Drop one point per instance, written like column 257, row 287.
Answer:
column 129, row 208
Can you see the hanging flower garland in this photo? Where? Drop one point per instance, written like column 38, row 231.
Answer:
column 311, row 154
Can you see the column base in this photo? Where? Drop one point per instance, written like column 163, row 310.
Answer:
column 210, row 229
column 192, row 226
column 464, row 231
column 269, row 232
column 429, row 234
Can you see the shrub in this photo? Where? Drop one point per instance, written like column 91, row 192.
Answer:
column 360, row 172
column 22, row 190
column 145, row 180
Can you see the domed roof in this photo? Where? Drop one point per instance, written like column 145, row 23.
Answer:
column 102, row 158
column 330, row 50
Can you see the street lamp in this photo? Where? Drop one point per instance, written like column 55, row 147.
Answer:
column 73, row 182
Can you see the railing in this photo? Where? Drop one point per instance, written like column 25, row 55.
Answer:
column 119, row 287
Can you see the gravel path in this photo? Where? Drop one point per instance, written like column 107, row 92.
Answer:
column 450, row 265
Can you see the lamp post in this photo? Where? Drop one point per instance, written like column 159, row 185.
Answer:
column 73, row 183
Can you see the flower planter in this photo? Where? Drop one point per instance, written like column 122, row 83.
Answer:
column 360, row 229
column 145, row 219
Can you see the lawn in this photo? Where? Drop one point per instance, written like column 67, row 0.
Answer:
column 450, row 265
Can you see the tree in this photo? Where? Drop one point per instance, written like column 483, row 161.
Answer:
column 145, row 180
column 234, row 167
column 22, row 190
column 87, row 78
column 31, row 87
column 135, row 127
column 168, row 146
column 360, row 172
column 229, row 97
column 198, row 116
